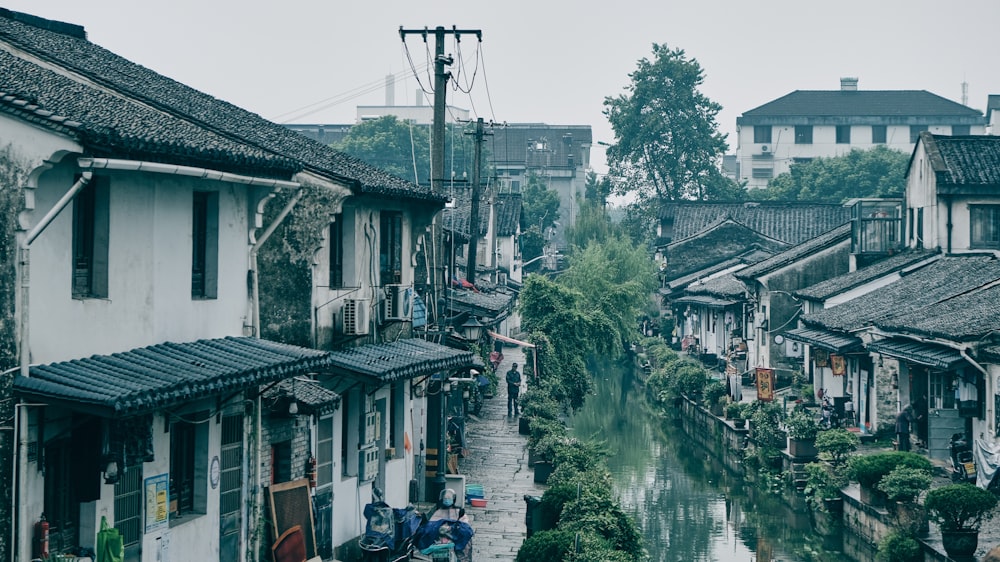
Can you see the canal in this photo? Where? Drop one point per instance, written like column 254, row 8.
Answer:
column 688, row 506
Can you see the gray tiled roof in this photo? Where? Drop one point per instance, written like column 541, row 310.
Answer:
column 724, row 286
column 167, row 374
column 400, row 359
column 791, row 223
column 965, row 317
column 861, row 103
column 836, row 285
column 936, row 282
column 314, row 398
column 720, row 243
column 969, row 164
column 830, row 239
column 823, row 339
column 508, row 211
column 121, row 109
column 937, row 356
column 509, row 144
column 705, row 300
column 487, row 304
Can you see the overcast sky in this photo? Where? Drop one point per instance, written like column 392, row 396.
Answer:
column 551, row 61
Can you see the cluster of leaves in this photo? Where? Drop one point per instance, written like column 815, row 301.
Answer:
column 801, row 425
column 959, row 507
column 904, row 484
column 836, row 445
column 877, row 172
column 869, row 470
column 898, row 546
column 823, row 482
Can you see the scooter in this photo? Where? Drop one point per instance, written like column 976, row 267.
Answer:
column 389, row 531
column 963, row 464
column 829, row 418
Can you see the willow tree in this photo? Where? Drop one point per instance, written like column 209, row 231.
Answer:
column 667, row 142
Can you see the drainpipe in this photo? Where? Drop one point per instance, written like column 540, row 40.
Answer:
column 949, row 225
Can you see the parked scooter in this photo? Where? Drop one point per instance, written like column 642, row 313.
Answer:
column 963, row 464
column 829, row 418
column 389, row 531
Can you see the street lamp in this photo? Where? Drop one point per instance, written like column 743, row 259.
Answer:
column 473, row 329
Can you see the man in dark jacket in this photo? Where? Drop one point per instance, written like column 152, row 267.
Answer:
column 903, row 421
column 513, row 390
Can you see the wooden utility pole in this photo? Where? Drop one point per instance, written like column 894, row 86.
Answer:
column 441, row 77
column 470, row 268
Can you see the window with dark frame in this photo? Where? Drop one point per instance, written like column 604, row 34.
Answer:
column 337, row 252
column 391, row 248
column 761, row 134
column 324, row 452
column 204, row 244
column 843, row 134
column 803, row 134
column 182, row 478
column 915, row 131
column 281, row 462
column 878, row 134
column 985, row 224
column 90, row 240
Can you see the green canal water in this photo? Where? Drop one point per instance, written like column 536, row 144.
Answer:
column 688, row 506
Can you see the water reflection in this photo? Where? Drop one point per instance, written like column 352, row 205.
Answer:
column 688, row 507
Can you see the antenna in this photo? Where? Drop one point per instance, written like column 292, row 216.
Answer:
column 965, row 93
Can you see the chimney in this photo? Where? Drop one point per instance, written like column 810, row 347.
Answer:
column 390, row 90
column 848, row 84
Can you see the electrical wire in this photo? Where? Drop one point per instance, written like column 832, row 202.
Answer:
column 338, row 99
column 480, row 54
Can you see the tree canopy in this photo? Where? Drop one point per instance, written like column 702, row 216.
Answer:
column 878, row 172
column 667, row 143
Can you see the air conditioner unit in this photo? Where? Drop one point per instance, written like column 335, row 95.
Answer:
column 355, row 314
column 367, row 464
column 502, row 279
column 398, row 303
column 765, row 149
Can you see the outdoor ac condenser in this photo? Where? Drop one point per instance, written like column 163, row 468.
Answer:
column 355, row 314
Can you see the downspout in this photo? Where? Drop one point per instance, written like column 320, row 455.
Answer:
column 20, row 463
column 949, row 225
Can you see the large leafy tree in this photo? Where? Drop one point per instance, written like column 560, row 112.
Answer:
column 667, row 143
column 539, row 211
column 878, row 172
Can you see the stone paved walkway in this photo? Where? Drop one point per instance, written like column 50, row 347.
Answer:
column 498, row 459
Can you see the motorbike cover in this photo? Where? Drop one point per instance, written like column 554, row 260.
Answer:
column 988, row 460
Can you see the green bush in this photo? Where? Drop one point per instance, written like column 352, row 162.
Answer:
column 904, row 484
column 801, row 426
column 712, row 392
column 899, row 547
column 765, row 424
column 868, row 470
column 958, row 507
column 836, row 445
column 823, row 482
column 538, row 403
column 735, row 410
column 546, row 545
column 540, row 428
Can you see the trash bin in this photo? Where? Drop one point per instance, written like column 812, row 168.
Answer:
column 533, row 514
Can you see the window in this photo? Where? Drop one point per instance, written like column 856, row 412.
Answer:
column 128, row 506
column 281, row 462
column 391, row 248
column 205, row 245
column 843, row 134
column 761, row 133
column 337, row 252
column 960, row 130
column 396, row 418
column 915, row 131
column 878, row 134
column 90, row 240
column 324, row 452
column 763, row 173
column 188, row 451
column 350, row 442
column 985, row 221
column 803, row 134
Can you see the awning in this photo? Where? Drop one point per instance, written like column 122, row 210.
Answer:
column 389, row 362
column 160, row 376
column 510, row 340
column 830, row 341
column 931, row 355
column 311, row 397
column 705, row 300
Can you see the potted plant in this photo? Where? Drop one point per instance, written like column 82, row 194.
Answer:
column 713, row 393
column 868, row 471
column 902, row 486
column 823, row 485
column 836, row 445
column 802, row 430
column 734, row 412
column 959, row 509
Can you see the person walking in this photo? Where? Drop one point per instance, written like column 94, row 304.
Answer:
column 513, row 390
column 903, row 421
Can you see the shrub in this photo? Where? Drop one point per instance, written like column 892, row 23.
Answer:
column 869, row 470
column 765, row 422
column 958, row 507
column 542, row 428
column 899, row 547
column 836, row 445
column 713, row 391
column 537, row 403
column 689, row 379
column 801, row 426
column 546, row 545
column 822, row 483
column 735, row 410
column 904, row 484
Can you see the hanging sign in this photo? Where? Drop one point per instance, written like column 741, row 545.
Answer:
column 837, row 365
column 765, row 384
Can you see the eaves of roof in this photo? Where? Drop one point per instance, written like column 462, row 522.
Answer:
column 931, row 355
column 836, row 285
column 861, row 103
column 161, row 376
column 832, row 238
column 824, row 339
column 401, row 359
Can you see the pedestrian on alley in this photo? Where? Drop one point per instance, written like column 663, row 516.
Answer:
column 903, row 421
column 513, row 390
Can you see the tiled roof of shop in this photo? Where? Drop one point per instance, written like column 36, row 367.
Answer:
column 508, row 213
column 401, row 359
column 717, row 244
column 791, row 223
column 965, row 317
column 861, row 103
column 937, row 356
column 723, row 286
column 121, row 109
column 315, row 398
column 830, row 239
column 836, row 285
column 167, row 374
column 936, row 282
column 961, row 163
column 830, row 341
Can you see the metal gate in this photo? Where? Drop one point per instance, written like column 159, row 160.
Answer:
column 128, row 510
column 230, row 488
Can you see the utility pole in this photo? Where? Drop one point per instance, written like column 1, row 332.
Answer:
column 470, row 268
column 441, row 77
